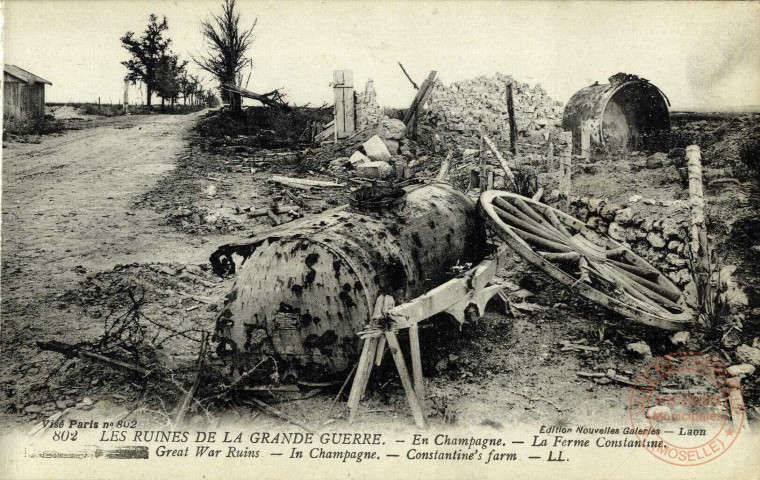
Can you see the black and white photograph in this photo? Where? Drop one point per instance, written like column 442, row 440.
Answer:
column 380, row 239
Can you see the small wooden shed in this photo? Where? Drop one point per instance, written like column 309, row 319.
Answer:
column 23, row 95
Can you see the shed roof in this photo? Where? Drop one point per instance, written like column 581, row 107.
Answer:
column 22, row 74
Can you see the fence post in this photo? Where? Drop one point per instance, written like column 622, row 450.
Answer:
column 565, row 152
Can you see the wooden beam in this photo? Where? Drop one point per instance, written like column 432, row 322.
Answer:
column 416, row 87
column 366, row 359
column 422, row 96
column 445, row 165
column 502, row 161
column 698, row 231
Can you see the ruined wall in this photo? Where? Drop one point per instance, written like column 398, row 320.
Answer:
column 655, row 230
column 465, row 106
column 368, row 111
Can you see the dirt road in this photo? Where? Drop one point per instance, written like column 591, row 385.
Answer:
column 68, row 211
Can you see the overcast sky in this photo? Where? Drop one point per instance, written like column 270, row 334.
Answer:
column 704, row 55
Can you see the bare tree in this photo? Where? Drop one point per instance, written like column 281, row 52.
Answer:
column 225, row 56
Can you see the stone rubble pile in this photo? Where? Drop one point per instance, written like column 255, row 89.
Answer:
column 368, row 111
column 465, row 106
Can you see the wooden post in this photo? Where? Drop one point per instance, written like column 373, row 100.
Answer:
column 414, row 344
column 126, row 97
column 586, row 140
column 699, row 246
column 343, row 86
column 550, row 158
column 411, row 396
column 512, row 121
column 482, row 159
column 565, row 147
column 366, row 359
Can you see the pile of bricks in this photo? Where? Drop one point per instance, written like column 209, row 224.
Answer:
column 466, row 106
column 368, row 111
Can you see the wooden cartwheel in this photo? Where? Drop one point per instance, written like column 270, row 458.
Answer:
column 599, row 268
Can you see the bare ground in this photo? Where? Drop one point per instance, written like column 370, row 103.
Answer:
column 111, row 195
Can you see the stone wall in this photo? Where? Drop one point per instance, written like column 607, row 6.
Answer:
column 465, row 106
column 368, row 111
column 654, row 230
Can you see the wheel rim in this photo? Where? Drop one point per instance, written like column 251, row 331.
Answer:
column 598, row 267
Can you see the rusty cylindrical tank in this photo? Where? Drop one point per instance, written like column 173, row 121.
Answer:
column 304, row 291
column 624, row 113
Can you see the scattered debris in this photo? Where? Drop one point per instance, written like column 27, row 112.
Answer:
column 640, row 348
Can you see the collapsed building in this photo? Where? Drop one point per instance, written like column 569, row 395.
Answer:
column 467, row 106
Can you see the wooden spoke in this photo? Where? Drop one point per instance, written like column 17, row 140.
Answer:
column 641, row 272
column 631, row 290
column 529, row 211
column 524, row 216
column 561, row 257
column 643, row 293
column 555, row 221
column 583, row 267
column 541, row 241
column 654, row 287
column 601, row 269
column 532, row 228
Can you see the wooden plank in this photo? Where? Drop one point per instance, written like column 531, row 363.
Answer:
column 411, row 396
column 418, row 99
column 303, row 182
column 425, row 97
column 444, row 296
column 328, row 132
column 502, row 161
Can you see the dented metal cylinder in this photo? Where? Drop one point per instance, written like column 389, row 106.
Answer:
column 304, row 291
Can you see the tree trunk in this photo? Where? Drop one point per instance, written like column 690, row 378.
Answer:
column 236, row 102
column 150, row 94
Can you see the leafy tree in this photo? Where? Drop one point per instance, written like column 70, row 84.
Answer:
column 168, row 74
column 147, row 52
column 225, row 56
column 188, row 86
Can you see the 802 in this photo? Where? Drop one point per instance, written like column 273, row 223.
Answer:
column 65, row 435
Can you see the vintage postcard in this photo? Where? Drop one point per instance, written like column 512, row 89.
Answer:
column 380, row 239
